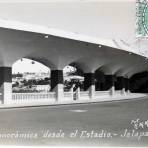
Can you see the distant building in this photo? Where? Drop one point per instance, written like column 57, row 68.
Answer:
column 42, row 88
column 35, row 76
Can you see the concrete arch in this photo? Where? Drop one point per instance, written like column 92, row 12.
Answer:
column 137, row 66
column 131, row 63
column 120, row 63
column 137, row 70
column 99, row 75
column 55, row 51
column 44, row 61
column 1, row 59
column 78, row 66
column 115, row 62
column 107, row 70
column 89, row 64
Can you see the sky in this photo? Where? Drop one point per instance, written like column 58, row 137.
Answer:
column 25, row 65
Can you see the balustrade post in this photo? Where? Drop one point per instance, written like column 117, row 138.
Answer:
column 71, row 91
column 57, row 84
column 89, row 84
column 92, row 91
column 127, row 86
column 120, row 84
column 78, row 94
column 110, row 84
column 6, row 84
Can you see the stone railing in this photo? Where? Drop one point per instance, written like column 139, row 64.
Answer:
column 101, row 93
column 33, row 97
column 68, row 96
column 118, row 92
column 84, row 95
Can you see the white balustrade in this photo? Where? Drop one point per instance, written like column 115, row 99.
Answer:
column 68, row 96
column 1, row 98
column 101, row 93
column 33, row 97
column 118, row 93
column 84, row 95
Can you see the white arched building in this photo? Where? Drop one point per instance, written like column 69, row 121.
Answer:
column 92, row 35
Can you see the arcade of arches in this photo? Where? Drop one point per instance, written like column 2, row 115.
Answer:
column 104, row 68
column 92, row 82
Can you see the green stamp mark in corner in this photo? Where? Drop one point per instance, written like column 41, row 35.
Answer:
column 142, row 18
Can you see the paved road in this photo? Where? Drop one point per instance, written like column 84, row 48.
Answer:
column 86, row 124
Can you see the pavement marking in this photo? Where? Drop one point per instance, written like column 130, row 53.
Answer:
column 78, row 110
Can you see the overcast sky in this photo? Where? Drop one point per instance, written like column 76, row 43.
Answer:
column 26, row 65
